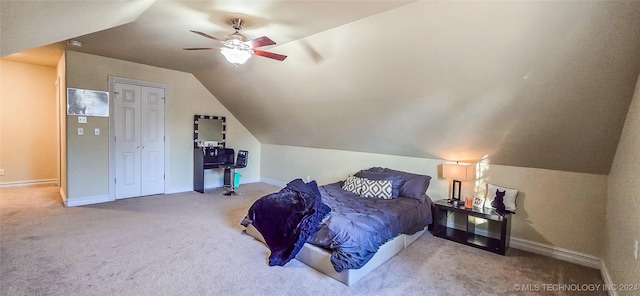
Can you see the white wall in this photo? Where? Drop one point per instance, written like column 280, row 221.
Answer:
column 623, row 203
column 28, row 134
column 561, row 209
column 187, row 97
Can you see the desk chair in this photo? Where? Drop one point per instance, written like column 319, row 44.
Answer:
column 229, row 172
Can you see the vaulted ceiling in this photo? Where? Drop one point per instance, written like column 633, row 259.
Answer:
column 534, row 84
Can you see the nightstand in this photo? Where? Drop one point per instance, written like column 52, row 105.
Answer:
column 469, row 236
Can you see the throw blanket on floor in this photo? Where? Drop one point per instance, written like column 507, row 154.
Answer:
column 287, row 218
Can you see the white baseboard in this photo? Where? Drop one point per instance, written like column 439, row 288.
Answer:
column 29, row 183
column 179, row 190
column 63, row 196
column 607, row 279
column 89, row 200
column 273, row 182
column 249, row 180
column 210, row 185
column 556, row 252
column 545, row 249
column 214, row 185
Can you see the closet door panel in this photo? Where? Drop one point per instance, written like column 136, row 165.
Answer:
column 152, row 106
column 128, row 140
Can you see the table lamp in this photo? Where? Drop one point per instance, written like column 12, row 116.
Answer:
column 458, row 172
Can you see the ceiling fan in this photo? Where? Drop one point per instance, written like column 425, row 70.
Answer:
column 235, row 47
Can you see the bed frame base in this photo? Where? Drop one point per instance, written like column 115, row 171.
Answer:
column 320, row 259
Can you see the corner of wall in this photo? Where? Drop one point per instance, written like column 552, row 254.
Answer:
column 623, row 209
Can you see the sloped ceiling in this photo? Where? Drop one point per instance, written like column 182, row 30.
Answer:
column 29, row 24
column 534, row 84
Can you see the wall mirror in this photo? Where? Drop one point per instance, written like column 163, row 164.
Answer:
column 209, row 131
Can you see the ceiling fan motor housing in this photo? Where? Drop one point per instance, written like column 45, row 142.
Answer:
column 236, row 23
column 234, row 39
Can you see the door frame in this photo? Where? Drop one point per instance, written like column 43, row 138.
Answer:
column 112, row 132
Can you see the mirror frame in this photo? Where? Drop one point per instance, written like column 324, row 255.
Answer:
column 197, row 118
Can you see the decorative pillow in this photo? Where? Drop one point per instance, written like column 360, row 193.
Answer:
column 414, row 186
column 396, row 181
column 376, row 188
column 353, row 184
column 509, row 198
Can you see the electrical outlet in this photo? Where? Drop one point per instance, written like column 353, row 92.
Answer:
column 635, row 250
column 80, row 131
column 1, row 172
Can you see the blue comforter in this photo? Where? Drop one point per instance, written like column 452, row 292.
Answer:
column 357, row 226
column 353, row 231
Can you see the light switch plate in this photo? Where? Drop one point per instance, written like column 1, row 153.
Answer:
column 96, row 132
column 1, row 172
column 80, row 131
column 82, row 119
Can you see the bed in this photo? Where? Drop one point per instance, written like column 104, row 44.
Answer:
column 343, row 229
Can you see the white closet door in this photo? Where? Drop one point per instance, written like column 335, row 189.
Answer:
column 127, row 123
column 152, row 141
column 139, row 131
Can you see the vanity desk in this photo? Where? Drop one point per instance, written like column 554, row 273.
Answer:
column 209, row 151
column 206, row 158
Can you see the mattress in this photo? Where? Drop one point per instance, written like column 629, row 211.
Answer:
column 358, row 235
column 320, row 259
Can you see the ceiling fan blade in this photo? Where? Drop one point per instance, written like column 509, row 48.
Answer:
column 270, row 55
column 259, row 42
column 208, row 36
column 202, row 48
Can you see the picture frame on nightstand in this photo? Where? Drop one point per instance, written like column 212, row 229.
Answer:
column 478, row 202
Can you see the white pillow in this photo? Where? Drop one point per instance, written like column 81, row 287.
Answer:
column 376, row 188
column 509, row 197
column 353, row 184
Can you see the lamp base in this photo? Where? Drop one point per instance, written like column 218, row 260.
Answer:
column 453, row 190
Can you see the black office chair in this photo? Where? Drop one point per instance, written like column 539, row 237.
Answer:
column 241, row 160
column 229, row 174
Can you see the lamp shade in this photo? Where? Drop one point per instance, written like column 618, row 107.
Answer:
column 457, row 171
column 235, row 56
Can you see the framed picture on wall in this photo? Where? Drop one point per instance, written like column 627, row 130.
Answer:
column 87, row 102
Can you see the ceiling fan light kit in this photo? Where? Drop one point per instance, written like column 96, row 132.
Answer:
column 237, row 50
column 236, row 56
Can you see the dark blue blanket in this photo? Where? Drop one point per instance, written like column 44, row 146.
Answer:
column 287, row 218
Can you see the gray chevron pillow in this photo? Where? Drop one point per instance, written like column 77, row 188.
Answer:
column 376, row 188
column 353, row 184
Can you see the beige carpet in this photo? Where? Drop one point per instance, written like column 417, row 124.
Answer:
column 193, row 244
